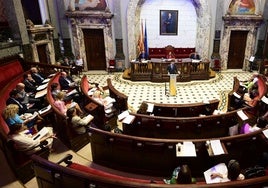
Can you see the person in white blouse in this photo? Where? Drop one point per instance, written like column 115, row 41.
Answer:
column 80, row 125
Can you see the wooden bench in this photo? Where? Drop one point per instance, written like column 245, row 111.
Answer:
column 184, row 110
column 120, row 98
column 262, row 89
column 11, row 74
column 49, row 174
column 210, row 126
column 62, row 125
column 157, row 157
column 97, row 109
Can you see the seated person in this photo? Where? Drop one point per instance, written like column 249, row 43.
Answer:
column 63, row 107
column 250, row 84
column 66, row 62
column 25, row 142
column 181, row 175
column 170, row 55
column 79, row 124
column 39, row 78
column 66, row 82
column 25, row 98
column 233, row 172
column 11, row 117
column 107, row 102
column 30, row 84
column 14, row 99
column 195, row 56
column 79, row 64
column 55, row 90
column 250, row 98
column 143, row 109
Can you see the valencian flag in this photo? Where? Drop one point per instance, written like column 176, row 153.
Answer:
column 141, row 43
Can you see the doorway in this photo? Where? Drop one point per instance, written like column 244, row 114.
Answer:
column 42, row 53
column 95, row 49
column 236, row 55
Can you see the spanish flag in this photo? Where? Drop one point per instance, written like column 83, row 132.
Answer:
column 140, row 47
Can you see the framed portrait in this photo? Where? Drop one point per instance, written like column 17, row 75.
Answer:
column 168, row 22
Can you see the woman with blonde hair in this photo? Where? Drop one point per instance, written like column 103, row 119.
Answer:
column 12, row 118
column 62, row 106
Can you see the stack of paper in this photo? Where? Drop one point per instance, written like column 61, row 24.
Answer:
column 216, row 147
column 123, row 115
column 41, row 134
column 150, row 107
column 236, row 95
column 242, row 115
column 186, row 149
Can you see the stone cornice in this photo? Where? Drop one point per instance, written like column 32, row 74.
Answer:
column 89, row 14
column 245, row 19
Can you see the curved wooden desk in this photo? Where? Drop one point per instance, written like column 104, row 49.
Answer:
column 158, row 156
column 62, row 126
column 184, row 110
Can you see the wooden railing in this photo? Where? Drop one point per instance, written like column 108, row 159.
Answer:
column 210, row 126
column 158, row 156
column 184, row 110
column 155, row 70
column 73, row 177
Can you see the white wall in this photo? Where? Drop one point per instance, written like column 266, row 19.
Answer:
column 187, row 18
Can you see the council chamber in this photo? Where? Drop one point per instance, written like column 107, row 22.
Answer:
column 133, row 93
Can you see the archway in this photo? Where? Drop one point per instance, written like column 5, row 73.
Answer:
column 203, row 26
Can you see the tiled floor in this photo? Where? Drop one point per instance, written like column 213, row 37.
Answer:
column 187, row 92
column 137, row 92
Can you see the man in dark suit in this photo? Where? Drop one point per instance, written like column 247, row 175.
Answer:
column 14, row 99
column 37, row 76
column 195, row 56
column 30, row 84
column 66, row 82
column 172, row 69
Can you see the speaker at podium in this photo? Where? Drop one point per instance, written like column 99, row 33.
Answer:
column 172, row 72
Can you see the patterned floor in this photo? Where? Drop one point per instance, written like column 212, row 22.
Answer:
column 187, row 92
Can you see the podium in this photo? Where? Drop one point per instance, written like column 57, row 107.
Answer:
column 172, row 84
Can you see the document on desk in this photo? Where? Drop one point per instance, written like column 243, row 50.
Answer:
column 264, row 99
column 219, row 168
column 71, row 92
column 46, row 80
column 236, row 95
column 242, row 115
column 150, row 107
column 91, row 91
column 123, row 115
column 265, row 132
column 216, row 147
column 88, row 118
column 41, row 87
column 129, row 119
column 41, row 93
column 41, row 133
column 45, row 109
column 186, row 149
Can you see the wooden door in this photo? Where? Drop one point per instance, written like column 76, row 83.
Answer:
column 42, row 53
column 237, row 48
column 95, row 49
